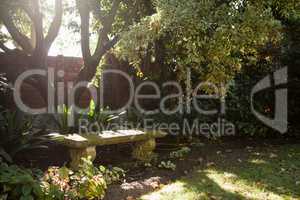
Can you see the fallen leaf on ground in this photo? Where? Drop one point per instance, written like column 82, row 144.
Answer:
column 154, row 185
column 130, row 198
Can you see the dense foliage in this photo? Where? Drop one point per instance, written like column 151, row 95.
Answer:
column 17, row 134
column 88, row 182
column 238, row 101
column 232, row 43
column 16, row 129
column 213, row 39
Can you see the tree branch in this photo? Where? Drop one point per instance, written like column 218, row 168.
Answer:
column 103, row 40
column 111, row 16
column 26, row 6
column 111, row 43
column 97, row 11
column 55, row 25
column 17, row 36
column 4, row 48
column 38, row 25
column 85, row 25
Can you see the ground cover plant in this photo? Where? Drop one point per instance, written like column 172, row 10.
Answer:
column 88, row 182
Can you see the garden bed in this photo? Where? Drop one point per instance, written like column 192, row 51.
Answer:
column 208, row 155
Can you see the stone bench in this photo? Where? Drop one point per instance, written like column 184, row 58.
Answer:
column 85, row 145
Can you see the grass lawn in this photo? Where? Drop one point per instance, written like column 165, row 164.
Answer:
column 256, row 173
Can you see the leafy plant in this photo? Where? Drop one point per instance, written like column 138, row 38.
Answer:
column 17, row 134
column 92, row 184
column 17, row 183
column 100, row 116
column 56, row 183
column 3, row 84
column 180, row 153
column 167, row 165
column 61, row 119
column 95, row 114
column 89, row 182
column 112, row 175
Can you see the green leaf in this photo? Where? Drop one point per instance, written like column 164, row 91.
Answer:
column 26, row 190
column 5, row 155
column 92, row 108
column 28, row 197
column 64, row 172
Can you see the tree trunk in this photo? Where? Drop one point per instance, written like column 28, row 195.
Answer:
column 86, row 74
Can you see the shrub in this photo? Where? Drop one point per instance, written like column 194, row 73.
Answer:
column 61, row 119
column 89, row 182
column 238, row 101
column 16, row 134
column 94, row 115
column 112, row 175
column 17, row 183
column 100, row 115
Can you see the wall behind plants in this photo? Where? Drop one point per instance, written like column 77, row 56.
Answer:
column 116, row 87
column 11, row 66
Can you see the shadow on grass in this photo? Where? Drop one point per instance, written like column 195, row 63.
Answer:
column 205, row 188
column 263, row 174
column 198, row 187
column 277, row 172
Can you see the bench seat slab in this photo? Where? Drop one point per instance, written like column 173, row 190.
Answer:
column 105, row 138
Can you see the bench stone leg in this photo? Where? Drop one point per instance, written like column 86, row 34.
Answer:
column 144, row 150
column 77, row 154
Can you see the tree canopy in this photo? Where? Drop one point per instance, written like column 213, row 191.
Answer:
column 212, row 38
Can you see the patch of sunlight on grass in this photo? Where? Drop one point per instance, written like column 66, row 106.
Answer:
column 258, row 161
column 216, row 185
column 175, row 191
column 235, row 185
column 267, row 178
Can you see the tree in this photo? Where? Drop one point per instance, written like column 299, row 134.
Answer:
column 32, row 9
column 91, row 61
column 110, row 19
column 38, row 50
column 213, row 39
